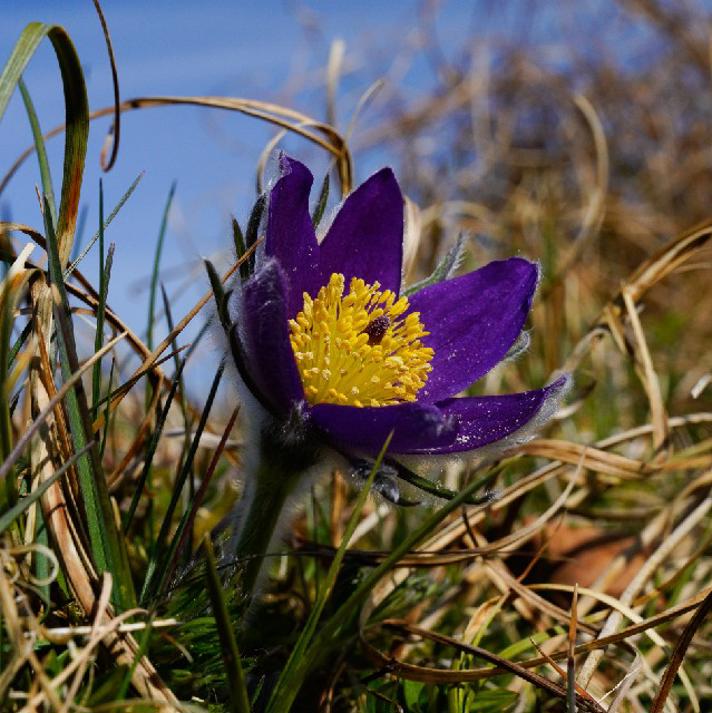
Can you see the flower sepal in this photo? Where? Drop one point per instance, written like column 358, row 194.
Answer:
column 444, row 270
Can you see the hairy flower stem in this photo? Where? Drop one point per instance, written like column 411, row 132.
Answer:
column 270, row 492
column 286, row 456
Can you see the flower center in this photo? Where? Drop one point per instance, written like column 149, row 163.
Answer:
column 361, row 349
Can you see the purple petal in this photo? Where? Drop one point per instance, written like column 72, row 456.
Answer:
column 483, row 420
column 415, row 427
column 265, row 334
column 366, row 238
column 290, row 233
column 473, row 320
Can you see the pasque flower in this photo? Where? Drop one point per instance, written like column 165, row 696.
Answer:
column 335, row 354
column 326, row 331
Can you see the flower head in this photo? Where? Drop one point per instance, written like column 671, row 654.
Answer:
column 326, row 333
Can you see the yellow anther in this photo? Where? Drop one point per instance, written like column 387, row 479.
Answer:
column 345, row 356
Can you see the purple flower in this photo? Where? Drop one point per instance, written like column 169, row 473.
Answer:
column 326, row 334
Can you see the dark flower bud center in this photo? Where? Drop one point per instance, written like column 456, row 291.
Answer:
column 377, row 329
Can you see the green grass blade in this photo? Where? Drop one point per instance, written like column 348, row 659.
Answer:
column 75, row 263
column 321, row 203
column 99, row 334
column 253, row 226
column 76, row 106
column 19, row 342
column 25, row 47
column 156, row 577
column 179, row 374
column 107, row 547
column 40, row 150
column 156, row 264
column 7, row 518
column 104, row 277
column 9, row 493
column 151, row 448
column 237, row 688
column 240, row 248
column 181, row 390
column 107, row 408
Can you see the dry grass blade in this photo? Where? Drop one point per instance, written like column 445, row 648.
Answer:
column 590, row 458
column 679, row 652
column 683, row 529
column 23, row 647
column 49, row 407
column 272, row 113
column 646, row 372
column 428, row 674
column 664, row 262
column 572, row 689
column 114, row 136
column 60, row 513
column 571, row 658
column 88, row 295
column 503, row 665
column 595, row 210
column 151, row 359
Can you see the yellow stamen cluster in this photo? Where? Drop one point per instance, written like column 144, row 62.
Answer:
column 361, row 349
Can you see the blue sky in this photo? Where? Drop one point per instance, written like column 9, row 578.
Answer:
column 249, row 49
